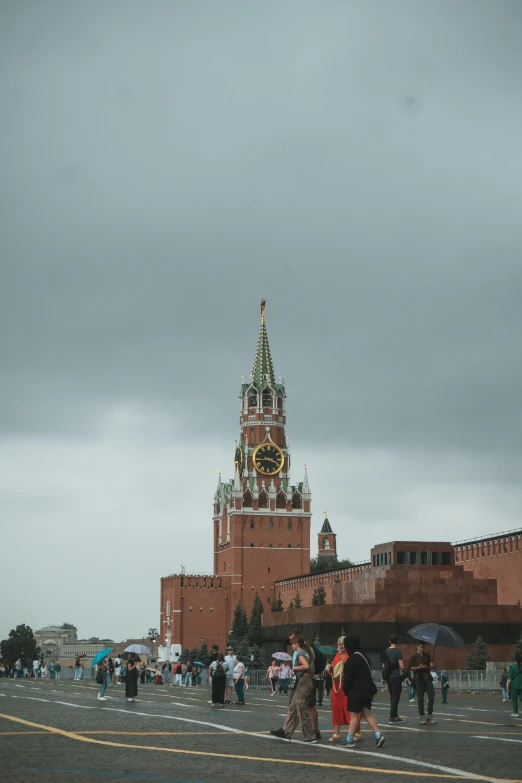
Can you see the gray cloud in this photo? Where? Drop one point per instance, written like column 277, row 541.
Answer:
column 357, row 164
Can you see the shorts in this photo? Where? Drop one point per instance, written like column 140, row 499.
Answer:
column 357, row 702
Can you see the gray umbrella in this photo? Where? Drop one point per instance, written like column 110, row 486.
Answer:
column 437, row 635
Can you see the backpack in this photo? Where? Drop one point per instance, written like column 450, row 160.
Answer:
column 220, row 672
column 320, row 660
column 99, row 678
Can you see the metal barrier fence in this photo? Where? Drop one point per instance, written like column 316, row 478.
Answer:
column 465, row 681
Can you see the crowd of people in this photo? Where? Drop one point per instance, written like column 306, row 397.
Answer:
column 346, row 679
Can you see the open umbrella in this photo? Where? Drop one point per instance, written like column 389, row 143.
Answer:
column 125, row 657
column 327, row 649
column 437, row 635
column 138, row 648
column 281, row 656
column 101, row 655
column 198, row 663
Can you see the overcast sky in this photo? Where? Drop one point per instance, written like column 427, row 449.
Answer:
column 163, row 166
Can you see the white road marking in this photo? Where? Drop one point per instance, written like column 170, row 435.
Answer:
column 31, row 698
column 68, row 704
column 499, row 739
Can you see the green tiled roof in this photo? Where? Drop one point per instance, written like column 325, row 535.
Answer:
column 263, row 368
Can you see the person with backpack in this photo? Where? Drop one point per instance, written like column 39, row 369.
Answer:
column 392, row 671
column 360, row 690
column 317, row 665
column 514, row 683
column 218, row 674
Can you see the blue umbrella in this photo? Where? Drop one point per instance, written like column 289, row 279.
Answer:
column 198, row 663
column 101, row 655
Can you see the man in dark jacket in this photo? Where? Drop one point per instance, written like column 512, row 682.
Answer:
column 360, row 689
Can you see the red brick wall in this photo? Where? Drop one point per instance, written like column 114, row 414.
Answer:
column 499, row 559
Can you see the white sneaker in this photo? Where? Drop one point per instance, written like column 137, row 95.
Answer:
column 514, row 715
column 102, row 698
column 130, row 699
column 412, row 701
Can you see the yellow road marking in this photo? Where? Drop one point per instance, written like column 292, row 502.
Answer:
column 322, row 764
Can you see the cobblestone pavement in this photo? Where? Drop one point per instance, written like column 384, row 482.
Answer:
column 59, row 731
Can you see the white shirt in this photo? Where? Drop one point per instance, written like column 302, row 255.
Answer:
column 36, row 664
column 231, row 661
column 239, row 670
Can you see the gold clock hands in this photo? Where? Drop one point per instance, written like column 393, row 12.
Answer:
column 269, row 459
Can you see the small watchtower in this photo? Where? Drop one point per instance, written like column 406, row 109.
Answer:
column 327, row 544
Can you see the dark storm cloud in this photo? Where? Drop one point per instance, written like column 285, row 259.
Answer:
column 358, row 164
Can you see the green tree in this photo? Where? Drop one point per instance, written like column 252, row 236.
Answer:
column 321, row 566
column 239, row 625
column 254, row 626
column 277, row 605
column 203, row 654
column 19, row 644
column 258, row 661
column 297, row 600
column 319, row 596
column 478, row 655
column 193, row 654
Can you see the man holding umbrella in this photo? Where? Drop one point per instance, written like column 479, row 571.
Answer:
column 420, row 666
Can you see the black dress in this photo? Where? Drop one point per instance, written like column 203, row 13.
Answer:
column 131, row 682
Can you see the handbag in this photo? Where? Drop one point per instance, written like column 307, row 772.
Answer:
column 99, row 678
column 369, row 667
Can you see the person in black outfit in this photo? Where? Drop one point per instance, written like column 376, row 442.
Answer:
column 360, row 689
column 392, row 670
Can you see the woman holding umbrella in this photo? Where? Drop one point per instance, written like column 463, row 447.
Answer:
column 131, row 679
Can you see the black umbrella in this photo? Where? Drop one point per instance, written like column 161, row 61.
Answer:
column 125, row 657
column 437, row 635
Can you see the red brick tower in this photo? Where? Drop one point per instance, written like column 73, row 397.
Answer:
column 327, row 543
column 261, row 520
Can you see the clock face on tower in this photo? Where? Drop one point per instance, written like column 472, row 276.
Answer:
column 268, row 459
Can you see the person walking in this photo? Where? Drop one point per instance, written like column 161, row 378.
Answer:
column 51, row 670
column 339, row 702
column 117, row 670
column 284, row 677
column 17, row 670
column 503, row 684
column 36, row 666
column 131, row 679
column 359, row 687
column 444, row 686
column 239, row 680
column 102, row 678
column 230, row 660
column 218, row 674
column 178, row 674
column 143, row 673
column 43, row 671
column 420, row 666
column 110, row 671
column 514, row 683
column 328, row 677
column 299, row 711
column 272, row 675
column 412, row 690
column 392, row 671
column 57, row 670
column 188, row 674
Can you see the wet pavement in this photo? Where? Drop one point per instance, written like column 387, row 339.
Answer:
column 59, row 731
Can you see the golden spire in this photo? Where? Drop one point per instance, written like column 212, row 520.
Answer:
column 263, row 305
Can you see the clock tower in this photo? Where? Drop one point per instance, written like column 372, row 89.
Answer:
column 261, row 519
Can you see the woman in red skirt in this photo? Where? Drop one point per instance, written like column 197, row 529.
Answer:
column 340, row 714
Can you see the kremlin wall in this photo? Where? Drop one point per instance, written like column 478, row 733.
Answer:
column 261, row 537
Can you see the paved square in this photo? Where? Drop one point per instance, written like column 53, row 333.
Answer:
column 59, row 731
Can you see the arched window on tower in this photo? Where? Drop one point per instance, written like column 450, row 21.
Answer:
column 326, row 544
column 263, row 499
column 252, row 524
column 267, row 398
column 281, row 500
column 247, row 499
column 280, row 404
column 271, row 525
column 296, row 500
column 252, row 399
